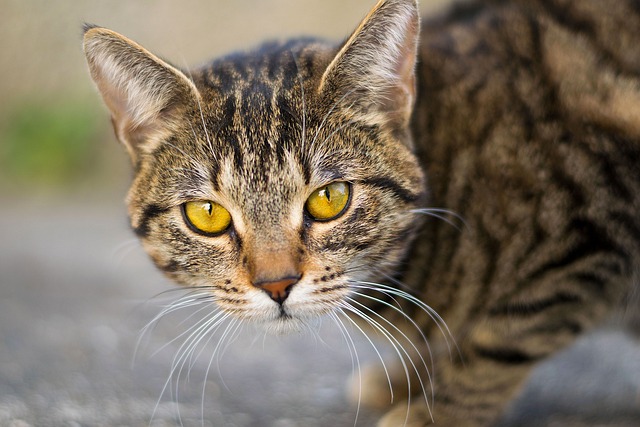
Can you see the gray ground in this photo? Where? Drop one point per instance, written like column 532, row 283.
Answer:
column 75, row 290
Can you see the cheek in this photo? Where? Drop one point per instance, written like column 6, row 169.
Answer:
column 190, row 260
column 372, row 224
column 373, row 240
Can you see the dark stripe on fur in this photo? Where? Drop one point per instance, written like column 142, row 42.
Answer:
column 393, row 186
column 534, row 307
column 504, row 355
column 169, row 267
column 595, row 240
column 564, row 16
column 557, row 326
column 148, row 213
column 229, row 136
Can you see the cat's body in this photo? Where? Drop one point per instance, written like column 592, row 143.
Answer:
column 524, row 118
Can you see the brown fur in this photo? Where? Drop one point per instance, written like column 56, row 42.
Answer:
column 523, row 118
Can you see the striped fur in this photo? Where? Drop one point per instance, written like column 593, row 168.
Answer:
column 522, row 118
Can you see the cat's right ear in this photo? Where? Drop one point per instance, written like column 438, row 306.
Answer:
column 146, row 96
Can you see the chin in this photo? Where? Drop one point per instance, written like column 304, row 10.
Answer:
column 288, row 322
column 282, row 325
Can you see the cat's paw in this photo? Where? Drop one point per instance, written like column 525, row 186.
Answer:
column 407, row 415
column 418, row 414
column 371, row 386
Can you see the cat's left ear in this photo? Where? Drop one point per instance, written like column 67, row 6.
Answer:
column 147, row 96
column 373, row 74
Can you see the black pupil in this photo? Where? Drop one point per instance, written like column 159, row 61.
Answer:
column 209, row 208
column 328, row 193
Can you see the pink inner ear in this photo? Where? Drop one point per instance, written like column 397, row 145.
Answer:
column 144, row 94
column 405, row 89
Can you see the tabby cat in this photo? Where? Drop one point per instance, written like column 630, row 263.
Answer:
column 302, row 180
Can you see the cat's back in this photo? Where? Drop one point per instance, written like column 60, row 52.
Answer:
column 539, row 80
column 578, row 59
column 528, row 125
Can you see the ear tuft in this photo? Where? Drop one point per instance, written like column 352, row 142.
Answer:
column 87, row 26
column 144, row 93
column 373, row 73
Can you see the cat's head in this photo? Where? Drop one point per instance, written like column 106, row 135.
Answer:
column 273, row 179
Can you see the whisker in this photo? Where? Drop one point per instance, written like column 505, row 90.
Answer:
column 234, row 323
column 333, row 315
column 328, row 114
column 394, row 343
column 314, row 329
column 189, row 346
column 439, row 321
column 304, row 109
column 198, row 331
column 413, row 323
column 210, row 332
column 190, row 300
column 191, row 297
column 351, row 345
column 189, row 353
column 415, row 348
column 186, row 331
column 179, row 355
column 204, row 125
column 120, row 252
column 384, row 366
column 231, row 339
column 442, row 214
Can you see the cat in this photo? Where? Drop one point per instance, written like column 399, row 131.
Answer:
column 485, row 162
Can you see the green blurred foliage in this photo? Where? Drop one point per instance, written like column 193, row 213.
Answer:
column 50, row 145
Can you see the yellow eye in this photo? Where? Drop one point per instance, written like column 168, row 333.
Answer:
column 328, row 202
column 206, row 217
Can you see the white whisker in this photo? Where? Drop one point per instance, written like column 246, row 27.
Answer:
column 438, row 320
column 206, row 374
column 182, row 352
column 304, row 108
column 234, row 323
column 121, row 251
column 186, row 331
column 192, row 299
column 399, row 349
column 384, row 366
column 407, row 339
column 351, row 345
column 328, row 114
column 185, row 354
column 204, row 125
column 413, row 323
column 443, row 214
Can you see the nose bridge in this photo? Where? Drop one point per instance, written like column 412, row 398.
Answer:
column 273, row 264
column 272, row 260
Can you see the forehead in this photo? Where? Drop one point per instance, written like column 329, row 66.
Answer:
column 253, row 104
column 250, row 119
column 266, row 134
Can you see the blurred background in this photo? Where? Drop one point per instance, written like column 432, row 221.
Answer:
column 56, row 136
column 76, row 288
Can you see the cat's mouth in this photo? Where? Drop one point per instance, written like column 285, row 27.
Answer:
column 283, row 315
column 291, row 318
column 284, row 324
column 304, row 305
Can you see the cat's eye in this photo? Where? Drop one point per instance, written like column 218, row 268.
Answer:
column 206, row 217
column 329, row 202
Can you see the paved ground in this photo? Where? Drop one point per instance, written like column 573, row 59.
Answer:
column 75, row 290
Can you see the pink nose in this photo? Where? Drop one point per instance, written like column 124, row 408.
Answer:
column 278, row 290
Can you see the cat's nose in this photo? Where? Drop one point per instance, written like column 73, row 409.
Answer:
column 278, row 290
